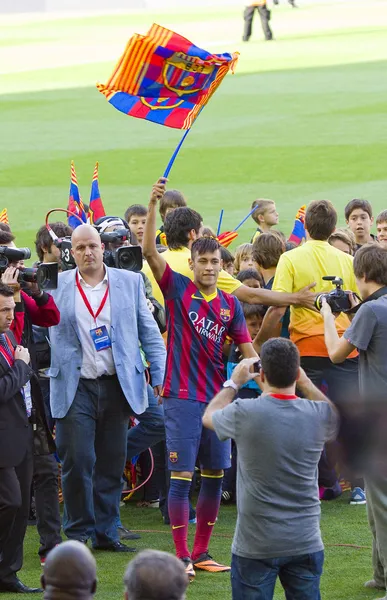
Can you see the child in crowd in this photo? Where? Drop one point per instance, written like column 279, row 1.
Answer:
column 172, row 199
column 267, row 249
column 254, row 314
column 207, row 231
column 251, row 277
column 266, row 216
column 381, row 228
column 244, row 258
column 358, row 216
column 344, row 240
column 136, row 215
column 228, row 260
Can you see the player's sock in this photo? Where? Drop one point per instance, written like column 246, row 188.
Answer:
column 178, row 508
column 207, row 509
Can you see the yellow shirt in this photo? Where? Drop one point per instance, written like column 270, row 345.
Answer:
column 178, row 261
column 301, row 266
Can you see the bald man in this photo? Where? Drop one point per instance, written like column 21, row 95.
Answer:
column 97, row 381
column 70, row 571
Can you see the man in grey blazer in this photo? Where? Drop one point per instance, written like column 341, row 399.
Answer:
column 97, row 380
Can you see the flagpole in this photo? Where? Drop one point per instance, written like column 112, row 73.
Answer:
column 245, row 219
column 176, row 152
column 220, row 222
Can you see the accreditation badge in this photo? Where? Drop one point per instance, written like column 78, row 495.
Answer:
column 101, row 338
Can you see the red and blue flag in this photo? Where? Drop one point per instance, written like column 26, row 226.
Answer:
column 299, row 234
column 75, row 204
column 164, row 78
column 96, row 209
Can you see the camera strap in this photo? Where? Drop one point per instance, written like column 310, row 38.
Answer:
column 378, row 294
column 87, row 303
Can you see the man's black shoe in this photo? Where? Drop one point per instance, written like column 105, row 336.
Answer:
column 17, row 587
column 126, row 534
column 115, row 547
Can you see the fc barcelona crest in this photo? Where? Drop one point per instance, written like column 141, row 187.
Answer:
column 173, row 457
column 184, row 75
column 225, row 314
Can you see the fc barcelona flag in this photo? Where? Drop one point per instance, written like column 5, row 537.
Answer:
column 164, row 78
column 75, row 204
column 4, row 216
column 96, row 209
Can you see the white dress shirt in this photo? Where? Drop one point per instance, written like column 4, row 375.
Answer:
column 94, row 364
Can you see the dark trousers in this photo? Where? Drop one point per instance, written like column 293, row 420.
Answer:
column 248, row 16
column 15, row 487
column 45, row 485
column 343, row 389
column 45, row 488
column 255, row 579
column 91, row 442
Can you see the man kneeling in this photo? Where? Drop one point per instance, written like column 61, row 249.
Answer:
column 280, row 437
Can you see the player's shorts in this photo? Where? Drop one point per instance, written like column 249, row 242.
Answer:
column 187, row 438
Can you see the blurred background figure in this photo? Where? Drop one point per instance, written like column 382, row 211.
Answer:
column 264, row 14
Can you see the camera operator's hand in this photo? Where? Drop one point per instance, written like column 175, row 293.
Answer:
column 325, row 310
column 158, row 190
column 22, row 353
column 243, row 373
column 354, row 300
column 10, row 278
column 157, row 392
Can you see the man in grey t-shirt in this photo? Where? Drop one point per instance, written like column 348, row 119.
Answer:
column 279, row 437
column 368, row 333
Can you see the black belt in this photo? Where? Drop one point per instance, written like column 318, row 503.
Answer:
column 101, row 378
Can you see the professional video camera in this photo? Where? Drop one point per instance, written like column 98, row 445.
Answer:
column 338, row 299
column 45, row 275
column 122, row 257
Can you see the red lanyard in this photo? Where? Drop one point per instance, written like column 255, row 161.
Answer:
column 8, row 351
column 87, row 303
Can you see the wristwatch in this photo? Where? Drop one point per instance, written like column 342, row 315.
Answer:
column 231, row 384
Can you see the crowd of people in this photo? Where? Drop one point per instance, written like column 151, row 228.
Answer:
column 249, row 372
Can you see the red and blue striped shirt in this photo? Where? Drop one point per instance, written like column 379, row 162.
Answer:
column 197, row 329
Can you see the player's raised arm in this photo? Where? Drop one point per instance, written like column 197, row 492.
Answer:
column 154, row 258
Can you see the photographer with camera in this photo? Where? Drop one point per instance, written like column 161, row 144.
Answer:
column 312, row 261
column 25, row 433
column 97, row 381
column 368, row 333
column 278, row 528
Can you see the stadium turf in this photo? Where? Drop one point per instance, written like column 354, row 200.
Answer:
column 304, row 117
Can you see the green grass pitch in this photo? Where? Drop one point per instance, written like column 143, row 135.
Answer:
column 304, row 117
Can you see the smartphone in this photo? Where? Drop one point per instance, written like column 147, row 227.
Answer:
column 257, row 366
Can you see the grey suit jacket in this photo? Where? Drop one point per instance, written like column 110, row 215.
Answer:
column 131, row 323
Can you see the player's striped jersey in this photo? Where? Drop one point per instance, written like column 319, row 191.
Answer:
column 197, row 328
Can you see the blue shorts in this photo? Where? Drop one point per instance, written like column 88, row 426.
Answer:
column 188, row 440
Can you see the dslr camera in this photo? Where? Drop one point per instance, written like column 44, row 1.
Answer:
column 338, row 299
column 45, row 274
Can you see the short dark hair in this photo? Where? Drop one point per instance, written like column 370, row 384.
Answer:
column 226, row 255
column 6, row 237
column 171, row 199
column 280, row 362
column 5, row 290
column 357, row 203
column 204, row 245
column 370, row 262
column 178, row 224
column 135, row 209
column 155, row 575
column 250, row 274
column 253, row 310
column 44, row 240
column 267, row 249
column 382, row 217
column 5, row 227
column 320, row 219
